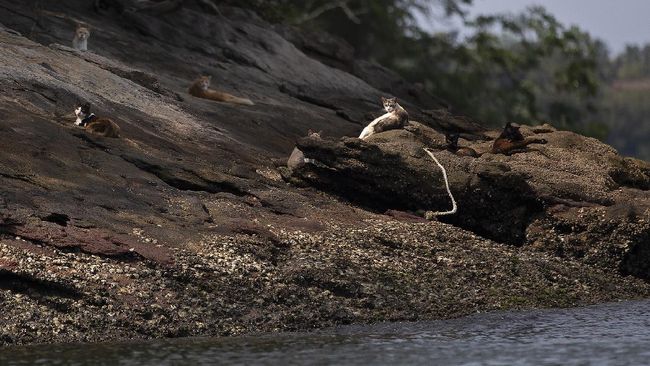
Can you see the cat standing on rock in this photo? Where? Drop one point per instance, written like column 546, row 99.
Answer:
column 98, row 126
column 395, row 117
column 80, row 40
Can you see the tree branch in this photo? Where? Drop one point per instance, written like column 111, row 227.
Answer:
column 342, row 4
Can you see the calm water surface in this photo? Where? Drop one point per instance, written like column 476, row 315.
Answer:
column 611, row 334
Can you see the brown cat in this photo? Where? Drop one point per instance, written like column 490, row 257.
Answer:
column 452, row 145
column 512, row 141
column 98, row 126
column 200, row 88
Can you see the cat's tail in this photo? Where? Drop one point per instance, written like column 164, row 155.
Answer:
column 366, row 132
column 429, row 215
column 237, row 100
column 223, row 97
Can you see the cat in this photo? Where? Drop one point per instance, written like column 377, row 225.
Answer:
column 512, row 141
column 201, row 88
column 98, row 126
column 80, row 40
column 452, row 145
column 395, row 117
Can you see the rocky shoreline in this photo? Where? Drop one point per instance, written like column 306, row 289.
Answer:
column 230, row 285
column 190, row 225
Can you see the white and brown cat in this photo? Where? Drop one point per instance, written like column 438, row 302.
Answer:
column 80, row 40
column 200, row 88
column 93, row 124
column 394, row 118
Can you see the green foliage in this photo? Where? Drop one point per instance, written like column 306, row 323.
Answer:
column 543, row 72
column 633, row 63
column 508, row 67
column 627, row 113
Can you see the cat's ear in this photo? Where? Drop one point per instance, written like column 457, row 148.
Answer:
column 383, row 100
column 310, row 131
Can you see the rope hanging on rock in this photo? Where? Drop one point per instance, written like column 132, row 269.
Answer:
column 429, row 215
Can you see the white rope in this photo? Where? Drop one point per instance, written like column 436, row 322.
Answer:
column 430, row 214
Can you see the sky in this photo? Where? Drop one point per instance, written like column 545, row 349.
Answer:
column 617, row 22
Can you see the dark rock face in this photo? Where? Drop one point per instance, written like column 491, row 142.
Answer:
column 615, row 237
column 185, row 226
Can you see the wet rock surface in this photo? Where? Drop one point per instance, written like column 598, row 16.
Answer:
column 187, row 225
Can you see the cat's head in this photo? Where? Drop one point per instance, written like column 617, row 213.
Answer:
column 511, row 131
column 82, row 33
column 390, row 104
column 452, row 139
column 204, row 81
column 82, row 110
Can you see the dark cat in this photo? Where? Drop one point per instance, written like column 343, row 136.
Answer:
column 512, row 141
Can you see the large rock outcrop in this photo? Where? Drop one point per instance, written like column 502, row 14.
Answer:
column 185, row 226
column 575, row 196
